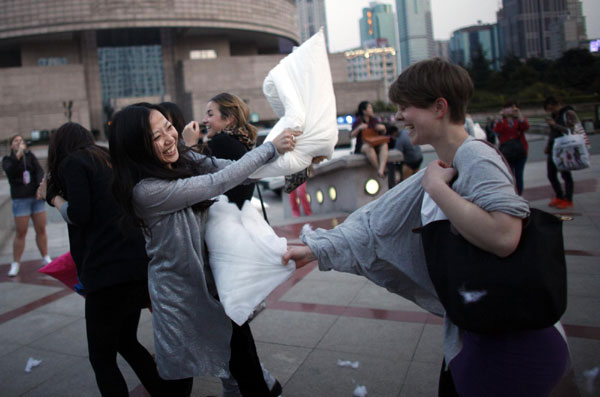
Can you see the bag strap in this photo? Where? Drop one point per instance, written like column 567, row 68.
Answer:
column 262, row 204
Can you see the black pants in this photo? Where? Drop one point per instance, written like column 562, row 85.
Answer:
column 552, row 174
column 244, row 363
column 112, row 316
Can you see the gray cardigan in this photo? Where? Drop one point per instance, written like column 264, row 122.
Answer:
column 191, row 331
column 377, row 240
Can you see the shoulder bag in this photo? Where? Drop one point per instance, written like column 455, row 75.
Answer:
column 484, row 293
column 372, row 137
column 570, row 152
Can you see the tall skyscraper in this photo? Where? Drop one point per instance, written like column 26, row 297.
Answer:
column 378, row 26
column 311, row 16
column 415, row 31
column 544, row 29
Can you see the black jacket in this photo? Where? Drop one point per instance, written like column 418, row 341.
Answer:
column 105, row 253
column 225, row 146
column 14, row 171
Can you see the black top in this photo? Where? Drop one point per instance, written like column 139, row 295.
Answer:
column 105, row 252
column 226, row 146
column 559, row 118
column 14, row 171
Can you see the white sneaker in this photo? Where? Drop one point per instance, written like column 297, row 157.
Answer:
column 46, row 260
column 14, row 269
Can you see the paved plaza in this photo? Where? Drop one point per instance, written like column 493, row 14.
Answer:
column 310, row 322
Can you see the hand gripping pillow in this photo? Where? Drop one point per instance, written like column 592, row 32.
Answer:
column 244, row 254
column 300, row 92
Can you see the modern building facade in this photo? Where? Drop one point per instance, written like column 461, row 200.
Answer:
column 544, row 29
column 378, row 26
column 103, row 54
column 311, row 17
column 372, row 64
column 415, row 31
column 470, row 42
column 442, row 49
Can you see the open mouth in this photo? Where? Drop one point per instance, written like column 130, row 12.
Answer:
column 171, row 151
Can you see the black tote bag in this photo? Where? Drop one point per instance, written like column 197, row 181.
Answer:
column 484, row 293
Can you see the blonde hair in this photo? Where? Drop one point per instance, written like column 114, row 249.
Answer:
column 233, row 106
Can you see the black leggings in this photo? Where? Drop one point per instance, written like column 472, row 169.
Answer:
column 244, row 363
column 552, row 174
column 112, row 316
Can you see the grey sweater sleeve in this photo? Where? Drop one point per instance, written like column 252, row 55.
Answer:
column 155, row 197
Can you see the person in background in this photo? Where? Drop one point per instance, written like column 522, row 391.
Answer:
column 490, row 135
column 166, row 189
column 111, row 260
column 413, row 156
column 230, row 136
column 511, row 125
column 365, row 118
column 562, row 118
column 24, row 175
column 471, row 186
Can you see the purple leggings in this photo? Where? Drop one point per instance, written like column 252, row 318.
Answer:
column 529, row 363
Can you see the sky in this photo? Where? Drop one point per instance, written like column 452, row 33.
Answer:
column 448, row 16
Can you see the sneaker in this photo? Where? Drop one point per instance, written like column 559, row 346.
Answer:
column 564, row 204
column 554, row 202
column 46, row 260
column 14, row 269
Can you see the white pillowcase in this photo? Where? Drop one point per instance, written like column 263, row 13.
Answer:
column 244, row 256
column 300, row 92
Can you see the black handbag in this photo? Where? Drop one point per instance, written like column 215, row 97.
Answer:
column 484, row 293
column 513, row 150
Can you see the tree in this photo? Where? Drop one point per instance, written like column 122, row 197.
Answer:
column 479, row 69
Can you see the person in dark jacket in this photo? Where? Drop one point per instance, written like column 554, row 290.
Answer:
column 110, row 258
column 562, row 118
column 24, row 176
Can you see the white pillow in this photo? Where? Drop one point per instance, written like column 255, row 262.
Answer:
column 300, row 92
column 244, row 256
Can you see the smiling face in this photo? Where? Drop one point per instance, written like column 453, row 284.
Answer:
column 164, row 138
column 214, row 120
column 420, row 123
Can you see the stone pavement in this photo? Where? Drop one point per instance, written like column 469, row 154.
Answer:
column 310, row 322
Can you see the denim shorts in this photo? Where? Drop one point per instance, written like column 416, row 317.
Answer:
column 27, row 206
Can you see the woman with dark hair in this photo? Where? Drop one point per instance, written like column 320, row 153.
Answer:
column 24, row 176
column 365, row 119
column 510, row 127
column 111, row 261
column 166, row 189
column 174, row 115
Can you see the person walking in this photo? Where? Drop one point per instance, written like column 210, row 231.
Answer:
column 166, row 190
column 24, row 175
column 111, row 260
column 562, row 119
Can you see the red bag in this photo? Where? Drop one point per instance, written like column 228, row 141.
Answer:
column 64, row 270
column 372, row 137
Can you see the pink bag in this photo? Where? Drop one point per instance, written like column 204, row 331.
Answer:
column 64, row 270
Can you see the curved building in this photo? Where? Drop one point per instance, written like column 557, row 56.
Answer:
column 83, row 59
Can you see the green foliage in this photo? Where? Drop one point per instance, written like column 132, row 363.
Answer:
column 573, row 77
column 382, row 107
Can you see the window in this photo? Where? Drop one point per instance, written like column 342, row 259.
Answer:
column 52, row 61
column 203, row 54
